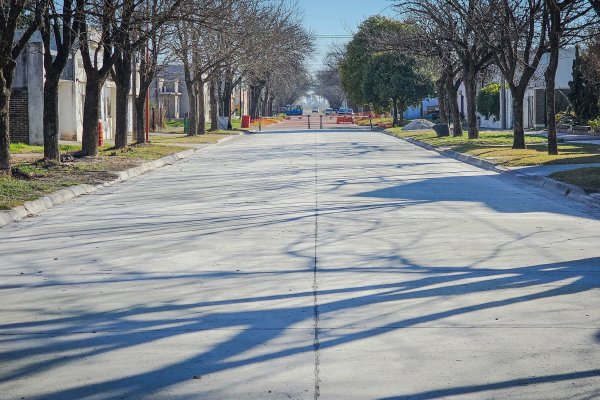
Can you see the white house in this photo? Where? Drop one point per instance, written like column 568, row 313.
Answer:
column 534, row 107
column 27, row 107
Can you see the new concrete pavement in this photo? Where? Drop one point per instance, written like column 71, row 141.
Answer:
column 300, row 265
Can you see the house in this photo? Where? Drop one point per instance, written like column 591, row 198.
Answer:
column 534, row 107
column 429, row 108
column 169, row 92
column 27, row 106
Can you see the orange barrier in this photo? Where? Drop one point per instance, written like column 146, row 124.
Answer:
column 245, row 121
column 344, row 120
column 100, row 133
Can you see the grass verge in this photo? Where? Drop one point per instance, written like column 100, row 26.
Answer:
column 183, row 140
column 586, row 178
column 495, row 146
column 176, row 126
column 22, row 148
column 35, row 178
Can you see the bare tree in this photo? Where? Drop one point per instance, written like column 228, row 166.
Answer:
column 103, row 24
column 515, row 32
column 206, row 47
column 453, row 28
column 19, row 20
column 58, row 26
column 286, row 43
column 328, row 82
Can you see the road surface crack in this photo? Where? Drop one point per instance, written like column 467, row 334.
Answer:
column 316, row 342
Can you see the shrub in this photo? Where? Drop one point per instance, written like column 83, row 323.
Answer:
column 566, row 116
column 488, row 100
column 594, row 123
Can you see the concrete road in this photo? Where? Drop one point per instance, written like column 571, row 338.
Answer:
column 333, row 265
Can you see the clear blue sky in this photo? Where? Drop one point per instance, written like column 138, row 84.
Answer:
column 338, row 18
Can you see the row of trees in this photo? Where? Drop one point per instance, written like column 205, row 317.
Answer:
column 373, row 72
column 220, row 43
column 466, row 38
column 458, row 42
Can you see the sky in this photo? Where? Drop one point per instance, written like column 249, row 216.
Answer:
column 334, row 21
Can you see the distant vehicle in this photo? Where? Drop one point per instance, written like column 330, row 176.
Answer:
column 345, row 111
column 329, row 111
column 315, row 110
column 281, row 110
column 294, row 110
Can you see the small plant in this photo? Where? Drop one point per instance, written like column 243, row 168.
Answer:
column 488, row 100
column 566, row 117
column 594, row 123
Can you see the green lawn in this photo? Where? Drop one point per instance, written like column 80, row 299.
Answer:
column 22, row 148
column 208, row 138
column 176, row 126
column 586, row 178
column 14, row 192
column 34, row 179
column 495, row 146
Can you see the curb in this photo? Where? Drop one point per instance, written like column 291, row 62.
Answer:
column 34, row 207
column 570, row 191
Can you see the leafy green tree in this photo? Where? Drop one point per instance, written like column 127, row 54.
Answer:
column 488, row 100
column 368, row 41
column 583, row 94
column 396, row 79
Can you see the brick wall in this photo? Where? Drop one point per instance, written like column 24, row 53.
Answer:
column 19, row 116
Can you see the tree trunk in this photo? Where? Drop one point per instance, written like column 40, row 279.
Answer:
column 255, row 92
column 227, row 96
column 395, row 120
column 470, row 82
column 265, row 104
column 51, row 147
column 140, row 117
column 518, row 95
column 201, row 108
column 550, row 76
column 192, row 117
column 4, row 132
column 441, row 93
column 214, row 106
column 453, row 105
column 400, row 110
column 123, row 83
column 270, row 106
column 91, row 112
column 122, row 114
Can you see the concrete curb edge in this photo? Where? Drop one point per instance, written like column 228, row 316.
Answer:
column 34, row 207
column 570, row 191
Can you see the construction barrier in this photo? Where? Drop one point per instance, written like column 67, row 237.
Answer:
column 245, row 121
column 100, row 133
column 344, row 120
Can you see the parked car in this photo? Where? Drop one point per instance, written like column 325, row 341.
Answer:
column 329, row 111
column 315, row 110
column 294, row 110
column 345, row 111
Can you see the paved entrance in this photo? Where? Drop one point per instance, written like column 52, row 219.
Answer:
column 332, row 265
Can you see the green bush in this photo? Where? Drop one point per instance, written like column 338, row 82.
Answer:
column 594, row 123
column 566, row 117
column 488, row 100
column 174, row 123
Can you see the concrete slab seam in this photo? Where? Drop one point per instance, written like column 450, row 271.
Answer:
column 570, row 191
column 316, row 339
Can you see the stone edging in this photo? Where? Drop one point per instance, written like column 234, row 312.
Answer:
column 571, row 191
column 34, row 207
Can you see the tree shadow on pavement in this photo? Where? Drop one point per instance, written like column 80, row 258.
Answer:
column 268, row 320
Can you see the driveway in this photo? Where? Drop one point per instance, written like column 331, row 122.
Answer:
column 303, row 265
